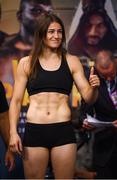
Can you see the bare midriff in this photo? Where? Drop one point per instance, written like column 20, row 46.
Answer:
column 48, row 107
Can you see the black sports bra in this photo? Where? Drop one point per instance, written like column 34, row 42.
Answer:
column 59, row 80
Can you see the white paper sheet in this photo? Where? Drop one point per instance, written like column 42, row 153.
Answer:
column 95, row 122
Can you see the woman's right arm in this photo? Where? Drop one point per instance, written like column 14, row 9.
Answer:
column 15, row 105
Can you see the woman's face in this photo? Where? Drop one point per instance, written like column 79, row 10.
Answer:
column 54, row 36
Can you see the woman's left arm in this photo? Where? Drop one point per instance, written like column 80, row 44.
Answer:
column 88, row 90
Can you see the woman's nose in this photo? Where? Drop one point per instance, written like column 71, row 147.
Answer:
column 56, row 35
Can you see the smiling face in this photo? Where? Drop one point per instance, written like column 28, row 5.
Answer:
column 95, row 29
column 54, row 36
column 105, row 66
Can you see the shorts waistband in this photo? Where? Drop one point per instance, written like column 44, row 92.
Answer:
column 49, row 124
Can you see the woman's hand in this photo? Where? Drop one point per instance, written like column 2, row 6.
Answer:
column 15, row 144
column 94, row 79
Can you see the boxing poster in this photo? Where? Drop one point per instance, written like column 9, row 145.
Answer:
column 89, row 25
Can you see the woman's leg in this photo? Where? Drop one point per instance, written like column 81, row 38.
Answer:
column 35, row 162
column 63, row 161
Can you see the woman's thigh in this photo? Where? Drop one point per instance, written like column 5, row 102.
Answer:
column 63, row 160
column 35, row 162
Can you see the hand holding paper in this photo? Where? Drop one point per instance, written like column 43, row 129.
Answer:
column 95, row 122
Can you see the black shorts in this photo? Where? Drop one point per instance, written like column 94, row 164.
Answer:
column 49, row 135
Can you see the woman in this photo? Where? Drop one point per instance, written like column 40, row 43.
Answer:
column 48, row 75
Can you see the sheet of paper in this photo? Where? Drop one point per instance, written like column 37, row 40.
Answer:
column 95, row 122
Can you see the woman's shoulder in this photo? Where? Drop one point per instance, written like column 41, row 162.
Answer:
column 24, row 63
column 73, row 62
column 72, row 59
column 25, row 59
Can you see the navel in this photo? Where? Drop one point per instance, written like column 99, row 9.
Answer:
column 48, row 113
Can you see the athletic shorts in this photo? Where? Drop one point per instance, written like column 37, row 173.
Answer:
column 49, row 135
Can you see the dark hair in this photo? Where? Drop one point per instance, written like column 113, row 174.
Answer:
column 111, row 30
column 90, row 5
column 42, row 25
column 110, row 54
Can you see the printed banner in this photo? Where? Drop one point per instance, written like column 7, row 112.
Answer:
column 90, row 26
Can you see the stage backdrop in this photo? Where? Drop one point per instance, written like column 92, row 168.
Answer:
column 14, row 44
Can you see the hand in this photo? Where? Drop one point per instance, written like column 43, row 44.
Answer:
column 9, row 160
column 93, row 79
column 87, row 125
column 15, row 144
column 115, row 123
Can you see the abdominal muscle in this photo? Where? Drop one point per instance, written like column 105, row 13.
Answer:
column 48, row 107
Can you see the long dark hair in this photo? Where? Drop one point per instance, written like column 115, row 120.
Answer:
column 78, row 37
column 43, row 23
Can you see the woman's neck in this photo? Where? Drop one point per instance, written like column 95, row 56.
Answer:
column 49, row 53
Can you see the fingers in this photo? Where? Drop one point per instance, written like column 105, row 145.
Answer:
column 94, row 81
column 16, row 148
column 92, row 71
column 93, row 78
column 11, row 167
column 10, row 164
column 87, row 125
column 9, row 160
column 15, row 144
column 20, row 147
column 12, row 147
column 115, row 123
